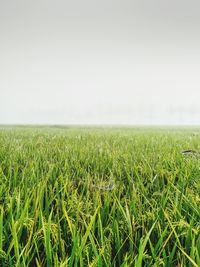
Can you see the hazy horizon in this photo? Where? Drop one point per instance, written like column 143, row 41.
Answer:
column 100, row 62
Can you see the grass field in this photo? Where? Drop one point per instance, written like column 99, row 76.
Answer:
column 72, row 196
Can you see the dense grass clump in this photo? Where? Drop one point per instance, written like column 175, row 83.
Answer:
column 72, row 196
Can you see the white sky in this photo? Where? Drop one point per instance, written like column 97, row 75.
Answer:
column 101, row 62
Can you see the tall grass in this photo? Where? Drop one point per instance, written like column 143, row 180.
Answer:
column 72, row 196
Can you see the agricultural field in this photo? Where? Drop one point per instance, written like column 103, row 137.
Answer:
column 101, row 196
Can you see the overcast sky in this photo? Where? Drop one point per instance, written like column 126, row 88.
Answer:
column 115, row 62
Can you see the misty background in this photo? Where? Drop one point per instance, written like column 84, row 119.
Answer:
column 101, row 62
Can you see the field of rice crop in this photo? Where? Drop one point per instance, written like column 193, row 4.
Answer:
column 101, row 196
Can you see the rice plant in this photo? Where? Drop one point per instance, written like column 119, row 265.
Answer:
column 101, row 196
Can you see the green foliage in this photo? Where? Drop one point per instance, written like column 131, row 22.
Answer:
column 81, row 196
